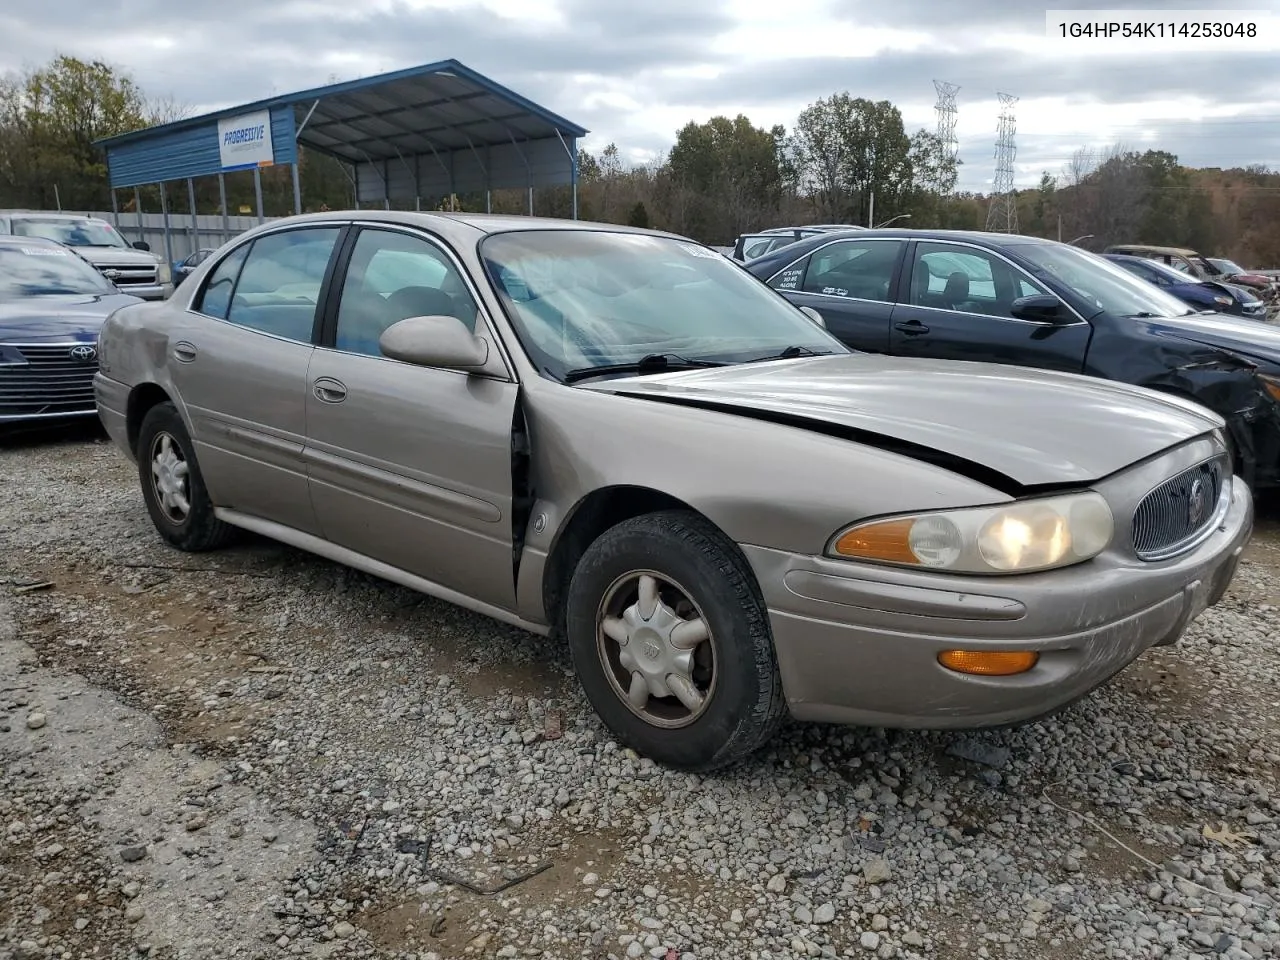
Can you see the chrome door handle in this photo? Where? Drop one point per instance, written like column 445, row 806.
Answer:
column 911, row 328
column 184, row 352
column 329, row 390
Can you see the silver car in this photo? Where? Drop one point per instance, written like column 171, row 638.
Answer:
column 619, row 436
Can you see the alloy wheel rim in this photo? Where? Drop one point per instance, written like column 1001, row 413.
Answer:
column 170, row 478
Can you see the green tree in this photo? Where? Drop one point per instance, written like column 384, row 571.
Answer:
column 49, row 120
column 848, row 150
column 639, row 215
column 732, row 166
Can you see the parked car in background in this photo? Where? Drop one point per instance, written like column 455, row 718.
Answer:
column 130, row 267
column 1264, row 286
column 749, row 246
column 620, row 435
column 184, row 268
column 52, row 305
column 1037, row 303
column 1211, row 295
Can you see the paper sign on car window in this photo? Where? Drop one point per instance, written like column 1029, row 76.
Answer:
column 44, row 251
column 697, row 251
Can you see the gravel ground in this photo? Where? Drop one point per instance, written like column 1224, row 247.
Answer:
column 256, row 753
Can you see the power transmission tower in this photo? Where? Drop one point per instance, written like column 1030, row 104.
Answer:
column 946, row 111
column 1002, row 216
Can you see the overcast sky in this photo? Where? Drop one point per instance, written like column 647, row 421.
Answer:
column 634, row 71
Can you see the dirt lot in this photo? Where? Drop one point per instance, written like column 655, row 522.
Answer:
column 256, row 753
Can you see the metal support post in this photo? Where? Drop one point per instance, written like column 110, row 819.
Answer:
column 257, row 191
column 164, row 211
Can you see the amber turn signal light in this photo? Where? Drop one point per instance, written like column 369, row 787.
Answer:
column 989, row 663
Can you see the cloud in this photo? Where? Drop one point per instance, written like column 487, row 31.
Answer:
column 634, row 72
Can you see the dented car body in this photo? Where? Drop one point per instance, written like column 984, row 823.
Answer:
column 618, row 436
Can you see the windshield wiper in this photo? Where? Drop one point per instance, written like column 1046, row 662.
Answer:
column 652, row 363
column 790, row 353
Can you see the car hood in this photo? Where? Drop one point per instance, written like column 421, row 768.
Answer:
column 117, row 257
column 56, row 316
column 1033, row 427
column 1247, row 337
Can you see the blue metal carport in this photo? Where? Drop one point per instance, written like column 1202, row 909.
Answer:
column 435, row 130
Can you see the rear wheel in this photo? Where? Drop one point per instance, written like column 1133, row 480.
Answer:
column 172, row 485
column 671, row 642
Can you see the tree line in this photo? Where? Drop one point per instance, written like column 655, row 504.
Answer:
column 845, row 159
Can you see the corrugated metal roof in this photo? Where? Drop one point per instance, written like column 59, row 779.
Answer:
column 415, row 117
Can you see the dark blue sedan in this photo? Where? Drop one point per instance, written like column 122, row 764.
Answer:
column 1212, row 295
column 1035, row 303
column 52, row 305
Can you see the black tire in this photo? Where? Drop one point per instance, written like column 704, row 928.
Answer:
column 745, row 705
column 197, row 530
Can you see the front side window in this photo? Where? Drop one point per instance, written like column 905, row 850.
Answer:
column 39, row 269
column 394, row 276
column 582, row 299
column 967, row 280
column 279, row 285
column 858, row 269
column 70, row 231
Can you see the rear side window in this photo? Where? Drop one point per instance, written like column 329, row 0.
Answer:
column 216, row 298
column 279, row 286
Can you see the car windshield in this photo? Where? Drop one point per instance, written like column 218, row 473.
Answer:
column 592, row 298
column 45, row 270
column 1227, row 266
column 1106, row 285
column 1170, row 273
column 72, row 232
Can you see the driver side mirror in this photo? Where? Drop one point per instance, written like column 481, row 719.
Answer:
column 1039, row 308
column 435, row 342
column 141, row 245
column 815, row 316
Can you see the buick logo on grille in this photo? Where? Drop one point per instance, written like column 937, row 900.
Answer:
column 83, row 352
column 1197, row 502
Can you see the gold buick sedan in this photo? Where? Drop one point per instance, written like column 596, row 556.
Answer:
column 621, row 437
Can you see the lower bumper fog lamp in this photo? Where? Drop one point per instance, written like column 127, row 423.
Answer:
column 989, row 663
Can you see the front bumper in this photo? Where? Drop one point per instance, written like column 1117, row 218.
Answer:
column 148, row 291
column 111, row 398
column 858, row 644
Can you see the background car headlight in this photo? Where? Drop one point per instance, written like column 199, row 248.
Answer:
column 1019, row 537
column 1225, row 301
column 164, row 272
column 1271, row 385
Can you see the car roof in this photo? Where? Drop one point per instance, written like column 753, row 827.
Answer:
column 50, row 215
column 456, row 224
column 9, row 240
column 1179, row 251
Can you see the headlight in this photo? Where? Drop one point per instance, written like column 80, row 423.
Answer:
column 1225, row 301
column 1271, row 385
column 164, row 272
column 1017, row 537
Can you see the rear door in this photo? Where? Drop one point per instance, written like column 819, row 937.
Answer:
column 239, row 357
column 410, row 465
column 957, row 303
column 851, row 283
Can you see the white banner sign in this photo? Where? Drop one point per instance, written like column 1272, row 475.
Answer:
column 246, row 141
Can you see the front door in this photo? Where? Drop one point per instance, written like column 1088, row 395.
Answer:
column 410, row 465
column 957, row 306
column 849, row 282
column 239, row 360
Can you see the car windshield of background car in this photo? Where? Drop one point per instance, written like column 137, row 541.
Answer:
column 591, row 298
column 42, row 270
column 1106, row 285
column 74, row 233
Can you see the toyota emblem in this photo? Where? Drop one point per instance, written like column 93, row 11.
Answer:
column 83, row 352
column 1197, row 503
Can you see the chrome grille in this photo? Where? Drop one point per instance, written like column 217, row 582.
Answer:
column 50, row 381
column 1171, row 518
column 127, row 276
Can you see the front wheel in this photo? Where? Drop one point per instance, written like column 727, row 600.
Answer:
column 671, row 642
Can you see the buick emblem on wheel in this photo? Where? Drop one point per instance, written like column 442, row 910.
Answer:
column 83, row 352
